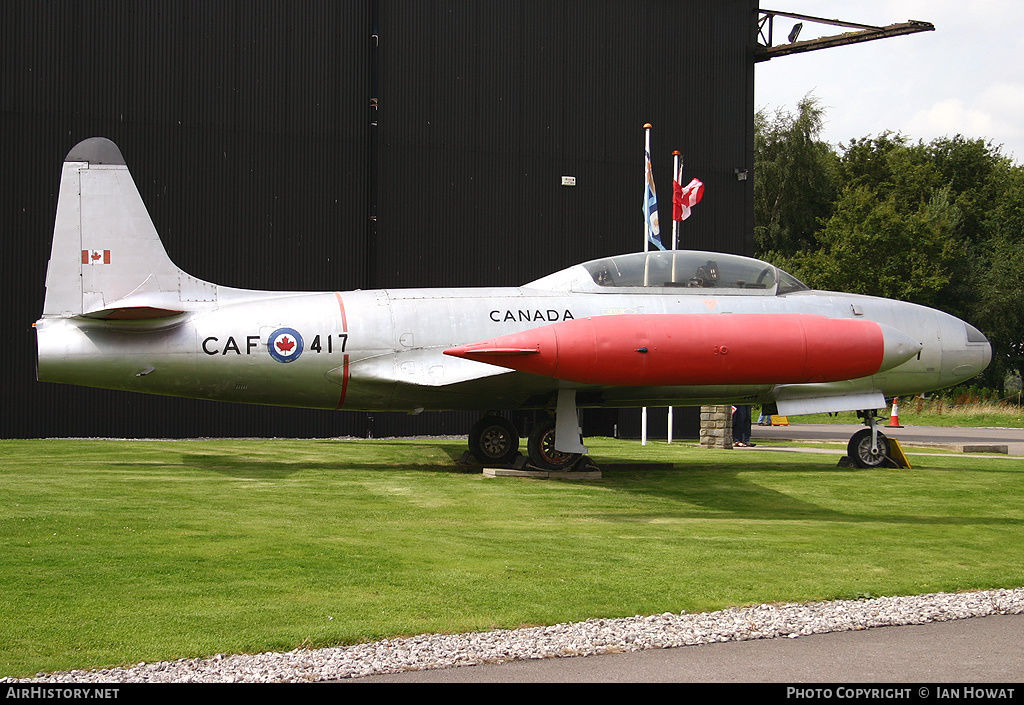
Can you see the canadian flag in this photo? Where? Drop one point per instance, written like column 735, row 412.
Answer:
column 685, row 197
column 95, row 256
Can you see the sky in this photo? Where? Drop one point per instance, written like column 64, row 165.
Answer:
column 966, row 77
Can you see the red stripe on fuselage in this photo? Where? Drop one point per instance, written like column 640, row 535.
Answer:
column 344, row 329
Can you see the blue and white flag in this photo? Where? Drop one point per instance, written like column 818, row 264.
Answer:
column 651, row 205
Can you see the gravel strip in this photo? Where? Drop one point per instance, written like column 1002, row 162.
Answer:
column 594, row 636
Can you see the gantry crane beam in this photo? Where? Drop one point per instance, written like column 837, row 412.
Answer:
column 863, row 33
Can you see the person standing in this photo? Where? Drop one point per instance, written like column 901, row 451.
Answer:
column 741, row 426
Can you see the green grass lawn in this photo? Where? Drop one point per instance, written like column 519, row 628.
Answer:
column 115, row 552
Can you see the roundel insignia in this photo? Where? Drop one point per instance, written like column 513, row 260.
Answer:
column 285, row 345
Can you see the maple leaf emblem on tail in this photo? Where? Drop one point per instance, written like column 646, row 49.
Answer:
column 285, row 344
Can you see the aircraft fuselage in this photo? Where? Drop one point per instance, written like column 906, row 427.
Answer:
column 383, row 349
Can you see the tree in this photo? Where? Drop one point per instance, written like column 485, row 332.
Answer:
column 872, row 245
column 997, row 307
column 795, row 178
column 938, row 223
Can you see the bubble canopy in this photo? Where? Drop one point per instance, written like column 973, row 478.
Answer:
column 681, row 271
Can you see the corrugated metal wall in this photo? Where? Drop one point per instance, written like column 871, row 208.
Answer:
column 485, row 105
column 249, row 130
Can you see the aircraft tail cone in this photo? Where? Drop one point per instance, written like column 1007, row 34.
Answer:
column 894, row 417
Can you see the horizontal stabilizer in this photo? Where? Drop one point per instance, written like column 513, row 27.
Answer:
column 132, row 313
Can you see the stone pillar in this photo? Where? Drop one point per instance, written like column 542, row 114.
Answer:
column 716, row 427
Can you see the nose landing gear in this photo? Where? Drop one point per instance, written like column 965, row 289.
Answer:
column 869, row 448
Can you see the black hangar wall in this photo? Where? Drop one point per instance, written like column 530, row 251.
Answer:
column 360, row 144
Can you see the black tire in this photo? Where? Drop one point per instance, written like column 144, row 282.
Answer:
column 859, row 449
column 494, row 439
column 541, row 447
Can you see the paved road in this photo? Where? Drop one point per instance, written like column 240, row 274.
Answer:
column 980, row 650
column 1013, row 438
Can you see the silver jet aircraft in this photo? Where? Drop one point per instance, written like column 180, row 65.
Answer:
column 671, row 328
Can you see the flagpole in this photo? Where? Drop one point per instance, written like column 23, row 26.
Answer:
column 647, row 150
column 647, row 239
column 677, row 177
column 683, row 199
column 676, row 164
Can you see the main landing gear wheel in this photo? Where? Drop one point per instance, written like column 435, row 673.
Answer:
column 541, row 447
column 859, row 449
column 494, row 439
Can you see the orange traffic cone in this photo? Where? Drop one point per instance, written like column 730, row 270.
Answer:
column 894, row 418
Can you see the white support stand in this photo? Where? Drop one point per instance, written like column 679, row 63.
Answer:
column 568, row 434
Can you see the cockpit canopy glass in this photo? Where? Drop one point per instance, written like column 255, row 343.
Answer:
column 693, row 270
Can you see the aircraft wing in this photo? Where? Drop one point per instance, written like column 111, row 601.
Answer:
column 423, row 368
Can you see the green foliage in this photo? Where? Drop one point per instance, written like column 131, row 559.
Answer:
column 872, row 246
column 796, row 178
column 971, row 393
column 940, row 224
column 998, row 304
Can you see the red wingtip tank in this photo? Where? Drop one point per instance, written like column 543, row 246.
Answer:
column 698, row 349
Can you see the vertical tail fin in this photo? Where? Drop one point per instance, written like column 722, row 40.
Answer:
column 107, row 260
